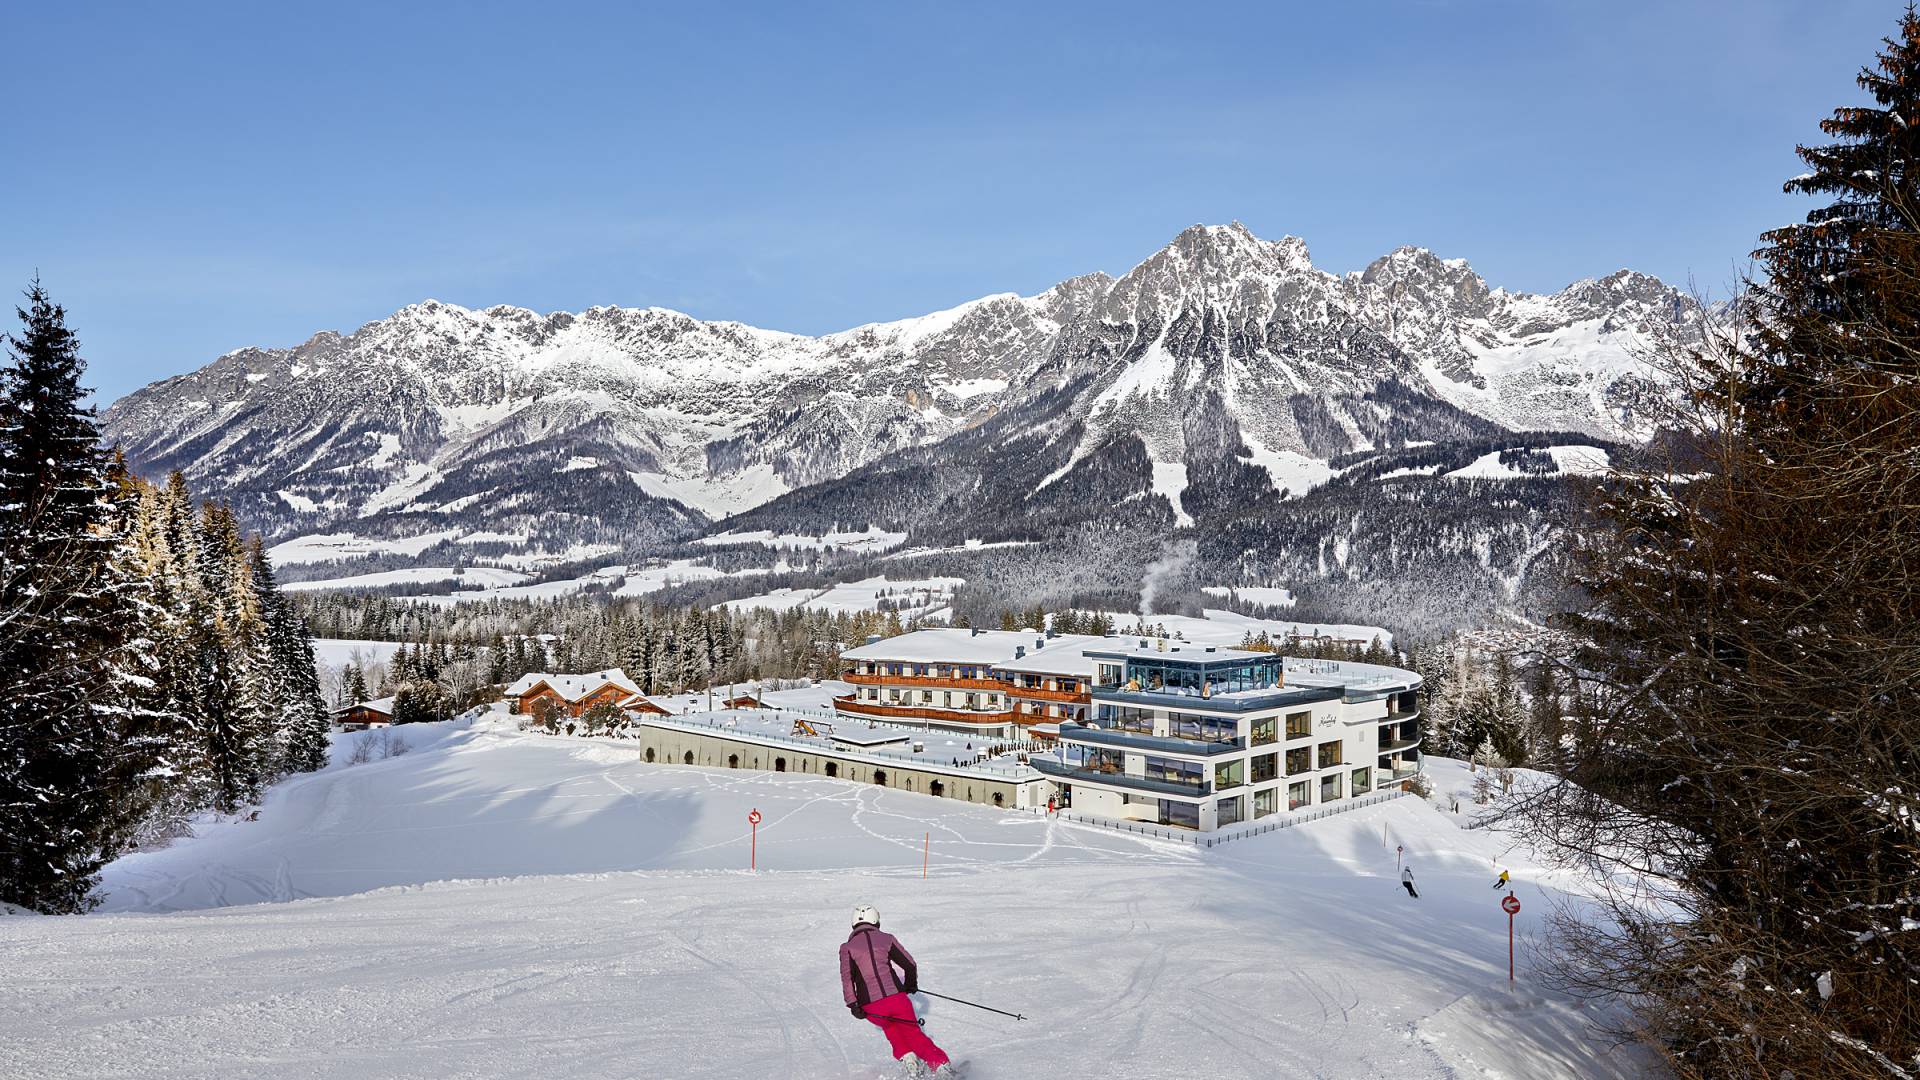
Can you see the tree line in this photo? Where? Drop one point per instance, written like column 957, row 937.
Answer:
column 151, row 670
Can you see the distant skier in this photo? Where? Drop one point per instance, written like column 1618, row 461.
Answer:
column 1406, row 878
column 1501, row 881
column 875, row 994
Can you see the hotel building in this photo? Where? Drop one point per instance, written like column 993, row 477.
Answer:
column 1204, row 737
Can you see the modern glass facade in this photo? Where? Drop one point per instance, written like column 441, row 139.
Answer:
column 1196, row 677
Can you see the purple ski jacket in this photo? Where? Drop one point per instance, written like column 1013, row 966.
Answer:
column 866, row 966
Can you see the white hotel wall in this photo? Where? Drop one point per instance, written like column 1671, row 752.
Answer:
column 1355, row 725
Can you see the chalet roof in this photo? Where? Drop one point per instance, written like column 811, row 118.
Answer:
column 572, row 687
column 383, row 705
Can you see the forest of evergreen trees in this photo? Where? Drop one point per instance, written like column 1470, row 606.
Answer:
column 455, row 654
column 150, row 668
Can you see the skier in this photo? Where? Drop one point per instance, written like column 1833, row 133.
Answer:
column 1501, row 881
column 1406, row 878
column 875, row 994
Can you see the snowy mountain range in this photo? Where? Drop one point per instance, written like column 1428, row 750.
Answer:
column 1222, row 368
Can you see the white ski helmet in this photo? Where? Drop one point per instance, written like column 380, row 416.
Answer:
column 865, row 914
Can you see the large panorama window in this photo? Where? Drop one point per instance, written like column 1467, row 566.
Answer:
column 1202, row 728
column 1125, row 718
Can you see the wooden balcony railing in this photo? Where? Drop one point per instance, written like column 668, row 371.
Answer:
column 1065, row 697
column 882, row 711
column 930, row 682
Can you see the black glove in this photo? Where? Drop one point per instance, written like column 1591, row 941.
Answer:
column 858, row 1012
column 912, row 987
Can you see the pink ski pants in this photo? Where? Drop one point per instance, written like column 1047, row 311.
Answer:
column 894, row 1015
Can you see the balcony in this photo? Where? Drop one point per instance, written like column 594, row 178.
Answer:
column 1065, row 697
column 930, row 682
column 1083, row 774
column 1398, row 745
column 1159, row 744
column 882, row 711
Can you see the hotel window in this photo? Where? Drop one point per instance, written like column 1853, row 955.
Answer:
column 1362, row 781
column 1299, row 725
column 1178, row 772
column 1265, row 731
column 1213, row 729
column 926, row 697
column 1230, row 811
column 1126, row 718
column 1228, row 775
column 1265, row 802
column 1265, row 767
column 1329, row 754
column 1330, row 788
column 1299, row 760
column 1297, row 795
column 1185, row 815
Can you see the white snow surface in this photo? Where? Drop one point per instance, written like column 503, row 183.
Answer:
column 871, row 538
column 1573, row 461
column 916, row 596
column 501, row 905
column 1267, row 596
column 472, row 577
column 333, row 652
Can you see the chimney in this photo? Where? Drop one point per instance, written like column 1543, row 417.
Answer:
column 973, row 631
column 1040, row 643
column 1019, row 651
column 1051, row 632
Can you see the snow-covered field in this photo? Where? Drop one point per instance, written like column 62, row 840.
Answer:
column 333, row 652
column 1572, row 460
column 928, row 597
column 501, row 905
column 871, row 538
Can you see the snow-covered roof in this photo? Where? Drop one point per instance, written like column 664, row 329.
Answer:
column 1062, row 655
column 572, row 687
column 867, row 737
column 382, row 705
column 996, row 647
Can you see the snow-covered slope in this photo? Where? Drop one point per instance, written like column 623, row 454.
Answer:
column 502, row 905
column 1227, row 358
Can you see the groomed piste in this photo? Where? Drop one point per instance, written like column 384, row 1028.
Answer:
column 499, row 904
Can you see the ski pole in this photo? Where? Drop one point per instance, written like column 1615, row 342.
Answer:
column 975, row 1004
column 897, row 1020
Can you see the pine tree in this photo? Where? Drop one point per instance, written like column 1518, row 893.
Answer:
column 1754, row 659
column 59, row 622
column 300, row 712
column 354, row 685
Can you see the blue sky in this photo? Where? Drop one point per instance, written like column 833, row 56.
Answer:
column 192, row 178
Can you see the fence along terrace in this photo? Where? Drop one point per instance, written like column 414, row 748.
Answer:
column 1202, row 737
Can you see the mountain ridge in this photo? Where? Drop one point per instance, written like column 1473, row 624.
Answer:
column 1222, row 367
